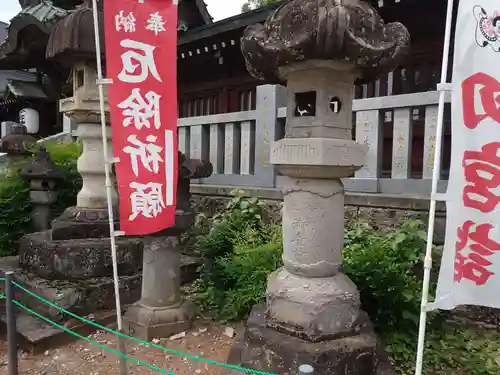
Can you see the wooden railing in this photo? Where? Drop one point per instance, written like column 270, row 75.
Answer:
column 399, row 129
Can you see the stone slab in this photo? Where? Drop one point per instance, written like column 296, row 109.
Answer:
column 265, row 349
column 36, row 335
column 85, row 296
column 78, row 258
column 318, row 152
column 79, row 223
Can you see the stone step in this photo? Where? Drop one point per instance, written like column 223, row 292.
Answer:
column 35, row 335
column 84, row 296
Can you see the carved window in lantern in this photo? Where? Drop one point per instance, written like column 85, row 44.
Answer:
column 305, row 104
column 335, row 104
column 80, row 78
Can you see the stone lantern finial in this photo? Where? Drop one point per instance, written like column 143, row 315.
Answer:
column 344, row 30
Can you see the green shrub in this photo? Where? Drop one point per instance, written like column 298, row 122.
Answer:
column 240, row 283
column 15, row 211
column 15, row 205
column 387, row 267
column 239, row 251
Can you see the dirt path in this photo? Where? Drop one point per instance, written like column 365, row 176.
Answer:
column 82, row 358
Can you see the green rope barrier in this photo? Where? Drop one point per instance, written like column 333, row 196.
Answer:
column 104, row 347
column 151, row 345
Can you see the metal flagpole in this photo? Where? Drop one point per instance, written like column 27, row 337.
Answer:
column 107, row 161
column 443, row 88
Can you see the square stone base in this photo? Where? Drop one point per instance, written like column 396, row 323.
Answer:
column 265, row 349
column 147, row 323
column 150, row 332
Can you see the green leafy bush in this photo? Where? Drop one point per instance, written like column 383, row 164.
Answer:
column 15, row 205
column 241, row 282
column 15, row 211
column 239, row 252
column 387, row 267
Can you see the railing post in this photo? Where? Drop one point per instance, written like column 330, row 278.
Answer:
column 369, row 132
column 430, row 146
column 402, row 144
column 269, row 99
column 11, row 324
column 306, row 370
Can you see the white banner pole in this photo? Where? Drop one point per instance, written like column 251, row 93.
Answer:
column 443, row 89
column 107, row 161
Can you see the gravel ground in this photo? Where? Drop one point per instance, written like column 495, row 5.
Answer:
column 82, row 358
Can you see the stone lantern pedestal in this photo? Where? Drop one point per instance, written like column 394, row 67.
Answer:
column 161, row 311
column 312, row 313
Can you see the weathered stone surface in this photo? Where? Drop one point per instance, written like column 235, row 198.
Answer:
column 312, row 308
column 312, row 226
column 78, row 259
column 317, row 157
column 42, row 167
column 78, row 223
column 19, row 142
column 266, row 349
column 347, row 30
column 161, row 312
column 147, row 322
column 83, row 296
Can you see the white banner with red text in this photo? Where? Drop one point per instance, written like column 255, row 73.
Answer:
column 470, row 265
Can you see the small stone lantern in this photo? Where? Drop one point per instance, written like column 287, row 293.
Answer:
column 43, row 176
column 162, row 311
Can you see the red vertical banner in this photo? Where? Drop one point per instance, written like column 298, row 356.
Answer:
column 141, row 60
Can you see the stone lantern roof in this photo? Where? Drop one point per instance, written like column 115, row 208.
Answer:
column 18, row 142
column 27, row 34
column 342, row 30
column 42, row 167
column 72, row 38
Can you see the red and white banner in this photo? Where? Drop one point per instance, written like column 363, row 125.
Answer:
column 470, row 268
column 141, row 59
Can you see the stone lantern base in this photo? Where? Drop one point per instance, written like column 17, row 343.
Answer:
column 146, row 322
column 266, row 349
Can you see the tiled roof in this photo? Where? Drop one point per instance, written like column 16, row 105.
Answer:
column 44, row 12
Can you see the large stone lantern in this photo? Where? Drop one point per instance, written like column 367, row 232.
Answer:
column 73, row 259
column 312, row 315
